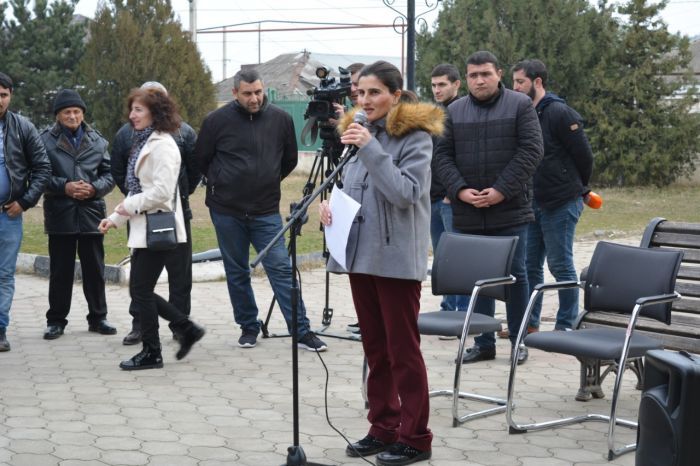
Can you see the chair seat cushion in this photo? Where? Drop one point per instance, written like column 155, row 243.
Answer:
column 450, row 323
column 594, row 343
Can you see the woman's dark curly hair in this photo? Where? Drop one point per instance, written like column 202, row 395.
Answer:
column 163, row 110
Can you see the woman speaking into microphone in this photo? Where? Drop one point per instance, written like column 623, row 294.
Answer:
column 386, row 258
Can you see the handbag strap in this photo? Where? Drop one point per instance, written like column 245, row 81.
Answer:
column 175, row 197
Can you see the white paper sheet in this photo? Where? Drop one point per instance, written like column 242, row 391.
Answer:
column 343, row 210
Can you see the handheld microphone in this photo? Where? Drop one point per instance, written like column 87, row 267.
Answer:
column 359, row 118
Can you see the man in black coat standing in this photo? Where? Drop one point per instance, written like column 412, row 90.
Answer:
column 560, row 183
column 178, row 266
column 486, row 159
column 73, row 207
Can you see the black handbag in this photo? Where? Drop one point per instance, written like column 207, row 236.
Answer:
column 161, row 231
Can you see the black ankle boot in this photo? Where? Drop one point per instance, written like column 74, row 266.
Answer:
column 190, row 335
column 148, row 358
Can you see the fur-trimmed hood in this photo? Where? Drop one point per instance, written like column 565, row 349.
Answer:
column 405, row 118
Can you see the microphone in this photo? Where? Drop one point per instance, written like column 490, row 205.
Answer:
column 359, row 118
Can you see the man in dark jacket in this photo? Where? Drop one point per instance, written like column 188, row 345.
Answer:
column 491, row 147
column 179, row 266
column 245, row 149
column 73, row 207
column 559, row 185
column 24, row 172
column 445, row 84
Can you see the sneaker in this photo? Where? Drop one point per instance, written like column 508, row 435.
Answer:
column 354, row 328
column 312, row 343
column 248, row 339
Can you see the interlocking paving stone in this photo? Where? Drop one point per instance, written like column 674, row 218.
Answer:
column 66, row 401
column 73, row 452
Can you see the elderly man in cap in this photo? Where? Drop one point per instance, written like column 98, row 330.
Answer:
column 73, row 207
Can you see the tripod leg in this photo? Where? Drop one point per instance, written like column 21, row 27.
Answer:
column 263, row 325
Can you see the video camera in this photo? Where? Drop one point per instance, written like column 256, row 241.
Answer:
column 325, row 95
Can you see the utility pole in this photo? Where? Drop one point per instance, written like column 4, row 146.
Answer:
column 224, row 55
column 411, row 47
column 193, row 20
column 410, row 20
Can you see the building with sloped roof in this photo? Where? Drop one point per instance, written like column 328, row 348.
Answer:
column 294, row 74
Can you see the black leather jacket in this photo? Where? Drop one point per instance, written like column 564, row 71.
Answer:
column 26, row 161
column 190, row 176
column 90, row 163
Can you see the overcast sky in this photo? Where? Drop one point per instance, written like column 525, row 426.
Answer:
column 242, row 48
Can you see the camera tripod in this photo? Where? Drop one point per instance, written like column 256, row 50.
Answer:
column 324, row 165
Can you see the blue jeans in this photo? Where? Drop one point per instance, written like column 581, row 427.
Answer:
column 517, row 293
column 235, row 235
column 551, row 235
column 10, row 240
column 441, row 221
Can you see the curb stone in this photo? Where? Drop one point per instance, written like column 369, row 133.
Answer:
column 35, row 264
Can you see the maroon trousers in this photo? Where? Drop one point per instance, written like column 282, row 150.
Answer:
column 397, row 386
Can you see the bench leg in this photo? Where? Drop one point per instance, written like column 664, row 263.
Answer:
column 637, row 366
column 590, row 380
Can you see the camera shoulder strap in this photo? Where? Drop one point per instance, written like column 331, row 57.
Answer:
column 311, row 126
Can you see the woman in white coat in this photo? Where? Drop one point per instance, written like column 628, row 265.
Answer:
column 152, row 174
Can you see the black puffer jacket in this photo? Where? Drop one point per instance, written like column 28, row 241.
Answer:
column 245, row 156
column 496, row 143
column 568, row 159
column 90, row 163
column 185, row 138
column 26, row 161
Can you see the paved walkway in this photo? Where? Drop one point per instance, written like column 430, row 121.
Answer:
column 65, row 402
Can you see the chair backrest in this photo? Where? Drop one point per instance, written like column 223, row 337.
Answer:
column 618, row 275
column 461, row 260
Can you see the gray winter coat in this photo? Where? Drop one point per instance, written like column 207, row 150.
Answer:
column 390, row 178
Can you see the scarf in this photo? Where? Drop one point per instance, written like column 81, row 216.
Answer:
column 140, row 137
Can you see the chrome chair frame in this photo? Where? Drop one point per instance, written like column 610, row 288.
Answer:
column 477, row 266
column 611, row 419
column 455, row 392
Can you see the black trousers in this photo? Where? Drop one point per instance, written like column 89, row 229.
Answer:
column 179, row 267
column 62, row 249
column 146, row 267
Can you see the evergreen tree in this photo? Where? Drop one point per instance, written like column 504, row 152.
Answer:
column 562, row 33
column 3, row 32
column 41, row 51
column 642, row 129
column 133, row 41
column 617, row 65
